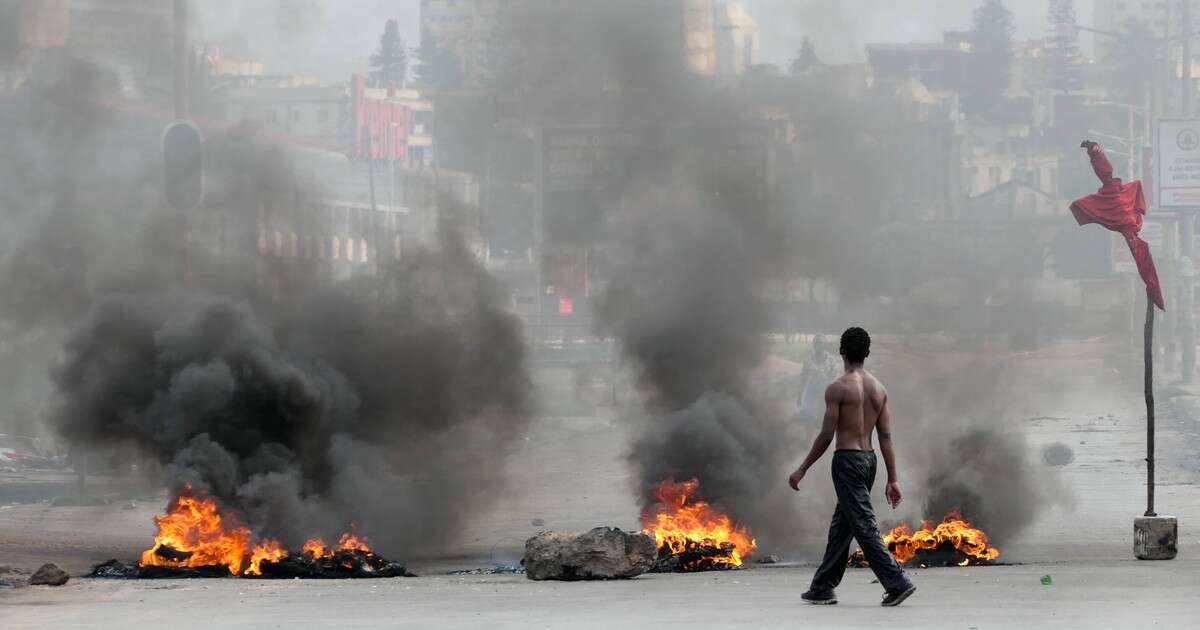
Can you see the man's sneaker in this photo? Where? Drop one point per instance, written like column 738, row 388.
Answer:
column 893, row 598
column 823, row 598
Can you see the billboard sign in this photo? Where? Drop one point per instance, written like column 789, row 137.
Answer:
column 1178, row 162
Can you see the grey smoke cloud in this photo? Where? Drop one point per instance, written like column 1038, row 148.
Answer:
column 354, row 403
column 961, row 447
column 696, row 243
column 75, row 219
column 343, row 411
column 693, row 238
column 303, row 418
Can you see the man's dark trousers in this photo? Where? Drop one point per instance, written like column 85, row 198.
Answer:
column 853, row 476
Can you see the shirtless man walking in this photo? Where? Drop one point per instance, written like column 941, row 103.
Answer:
column 855, row 406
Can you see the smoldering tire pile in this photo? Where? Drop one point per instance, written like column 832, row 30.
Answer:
column 115, row 569
column 696, row 557
column 343, row 564
column 340, row 565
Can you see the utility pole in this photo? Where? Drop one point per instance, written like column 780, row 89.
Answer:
column 1185, row 99
column 1134, row 153
column 182, row 71
column 1187, row 223
column 374, row 214
column 182, row 60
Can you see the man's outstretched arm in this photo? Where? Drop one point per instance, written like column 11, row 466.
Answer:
column 884, row 428
column 833, row 406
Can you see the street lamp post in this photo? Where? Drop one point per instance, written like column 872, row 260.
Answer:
column 182, row 60
column 1187, row 224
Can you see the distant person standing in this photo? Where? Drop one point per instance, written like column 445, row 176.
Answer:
column 855, row 406
column 818, row 370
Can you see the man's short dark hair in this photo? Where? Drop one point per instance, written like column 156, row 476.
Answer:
column 856, row 345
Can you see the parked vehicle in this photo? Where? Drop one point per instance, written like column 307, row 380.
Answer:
column 18, row 451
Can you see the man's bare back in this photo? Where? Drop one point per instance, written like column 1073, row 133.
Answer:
column 856, row 405
column 861, row 399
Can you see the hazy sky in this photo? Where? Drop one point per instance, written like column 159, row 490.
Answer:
column 327, row 38
column 332, row 38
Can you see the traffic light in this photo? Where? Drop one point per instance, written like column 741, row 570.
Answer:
column 183, row 165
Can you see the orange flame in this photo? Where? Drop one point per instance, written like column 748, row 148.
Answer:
column 954, row 531
column 268, row 550
column 317, row 548
column 314, row 547
column 350, row 542
column 193, row 533
column 679, row 522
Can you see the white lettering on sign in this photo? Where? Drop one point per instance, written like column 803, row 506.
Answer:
column 1178, row 161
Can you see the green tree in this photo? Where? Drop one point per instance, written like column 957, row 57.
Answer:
column 1064, row 69
column 389, row 66
column 991, row 40
column 806, row 58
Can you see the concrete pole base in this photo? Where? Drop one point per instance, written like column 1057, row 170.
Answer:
column 1155, row 537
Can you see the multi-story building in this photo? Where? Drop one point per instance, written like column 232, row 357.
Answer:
column 383, row 124
column 699, row 37
column 27, row 25
column 467, row 30
column 314, row 115
column 463, row 28
column 228, row 69
column 937, row 65
column 737, row 39
column 1166, row 19
column 132, row 38
column 1163, row 17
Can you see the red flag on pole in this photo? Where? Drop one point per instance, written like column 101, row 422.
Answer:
column 1119, row 207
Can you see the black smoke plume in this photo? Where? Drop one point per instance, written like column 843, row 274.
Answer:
column 990, row 477
column 383, row 401
column 699, row 238
column 343, row 410
column 684, row 308
column 688, row 234
column 75, row 212
column 961, row 449
column 389, row 405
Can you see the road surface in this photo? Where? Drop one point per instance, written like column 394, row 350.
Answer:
column 570, row 474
